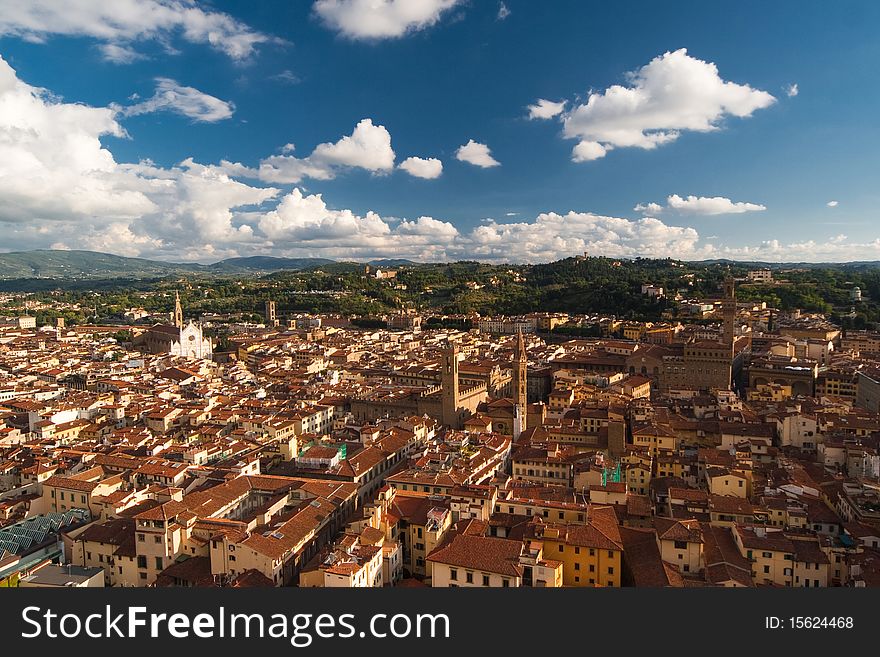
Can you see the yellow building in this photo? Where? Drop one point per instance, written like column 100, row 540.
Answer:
column 591, row 554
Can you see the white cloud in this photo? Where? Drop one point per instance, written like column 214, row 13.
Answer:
column 304, row 224
column 171, row 96
column 380, row 19
column 551, row 236
column 832, row 204
column 368, row 147
column 119, row 54
column 477, row 154
column 122, row 22
column 673, row 93
column 710, row 205
column 286, row 77
column 585, row 151
column 60, row 184
column 791, row 90
column 545, row 109
column 503, row 11
column 422, row 167
column 52, row 163
column 649, row 208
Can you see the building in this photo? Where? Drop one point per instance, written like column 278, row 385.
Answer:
column 178, row 339
column 271, row 319
column 520, row 387
column 760, row 276
column 868, row 391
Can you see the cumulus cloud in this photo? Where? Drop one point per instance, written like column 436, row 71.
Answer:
column 585, row 151
column 58, row 181
column 832, row 204
column 710, row 205
column 545, row 109
column 52, row 162
column 477, row 154
column 672, row 94
column 649, row 208
column 170, row 96
column 368, row 147
column 380, row 19
column 422, row 167
column 304, row 224
column 791, row 90
column 122, row 22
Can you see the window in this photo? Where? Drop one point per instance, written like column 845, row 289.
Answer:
column 159, row 565
column 766, row 569
column 141, row 538
column 142, row 561
column 485, row 580
column 505, row 583
column 681, row 545
column 157, row 539
column 453, row 574
column 143, row 575
column 577, row 565
column 232, row 557
column 592, row 568
column 610, row 570
column 82, row 498
column 577, row 550
column 469, row 578
column 562, row 548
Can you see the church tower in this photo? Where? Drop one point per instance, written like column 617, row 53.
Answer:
column 520, row 387
column 178, row 311
column 728, row 311
column 449, row 384
column 271, row 318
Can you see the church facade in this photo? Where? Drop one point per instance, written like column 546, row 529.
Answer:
column 184, row 339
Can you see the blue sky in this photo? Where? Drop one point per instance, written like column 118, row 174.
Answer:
column 176, row 121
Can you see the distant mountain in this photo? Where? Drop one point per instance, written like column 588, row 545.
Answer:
column 84, row 264
column 62, row 264
column 266, row 263
column 50, row 264
column 392, row 262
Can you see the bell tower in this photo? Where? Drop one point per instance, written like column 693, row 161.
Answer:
column 449, row 384
column 728, row 311
column 520, row 386
column 178, row 311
